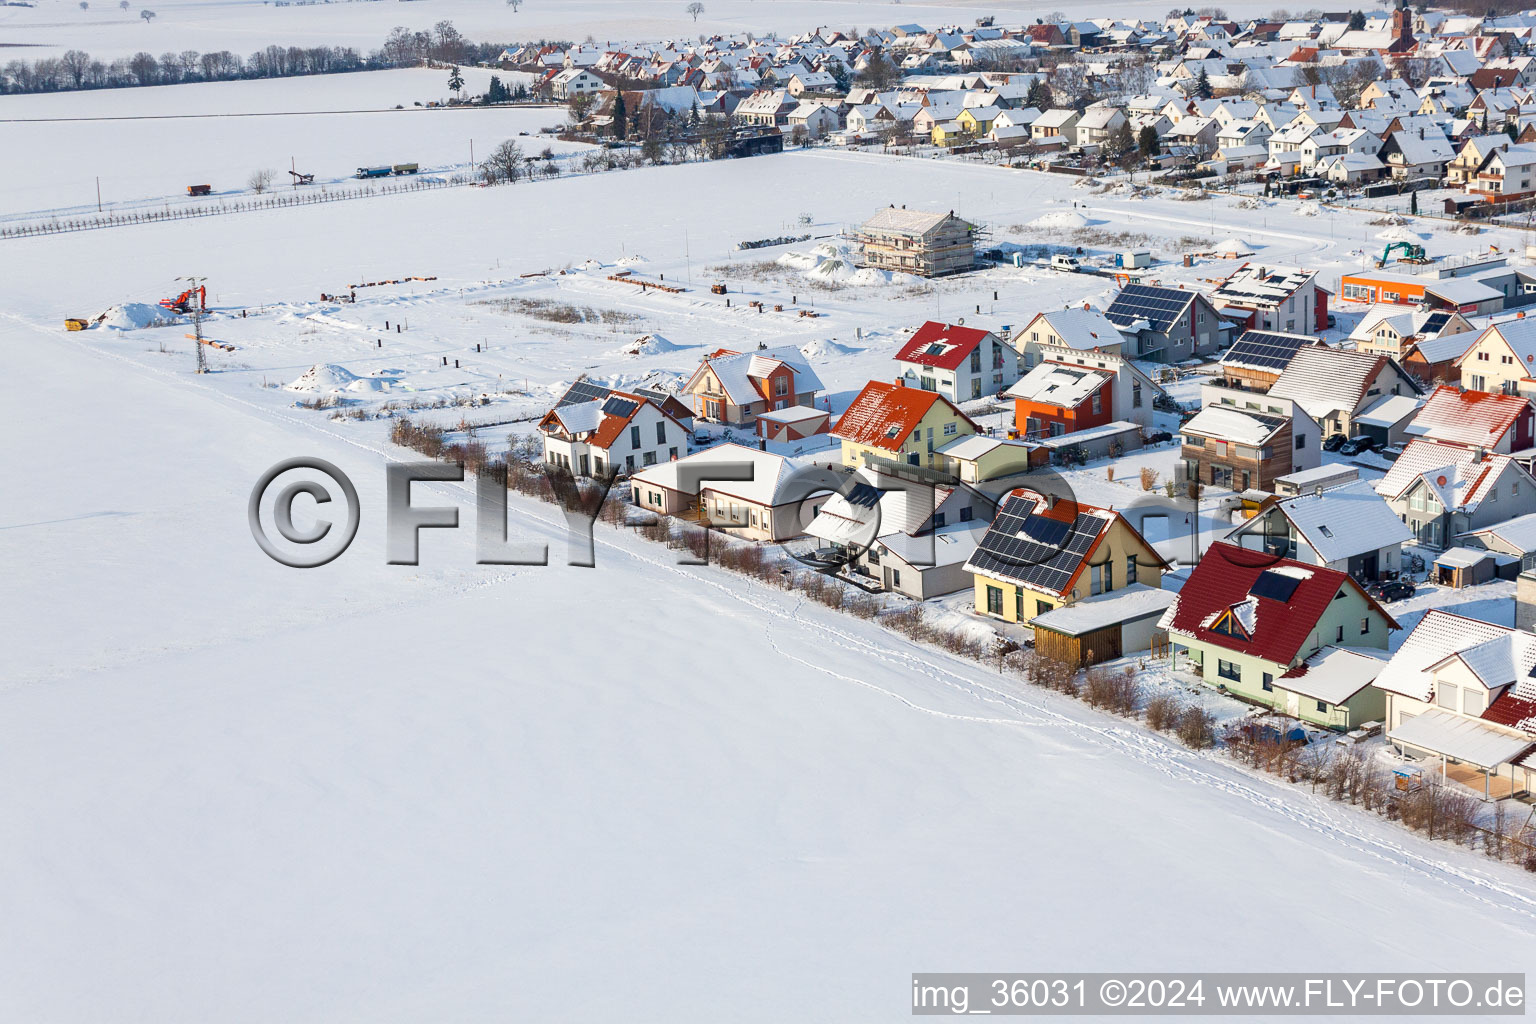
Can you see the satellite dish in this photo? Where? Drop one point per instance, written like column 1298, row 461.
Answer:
column 961, row 322
column 1440, row 480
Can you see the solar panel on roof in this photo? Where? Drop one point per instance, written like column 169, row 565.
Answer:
column 1435, row 322
column 620, row 407
column 1276, row 586
column 1034, row 549
column 864, row 495
column 1160, row 307
column 582, row 391
column 1261, row 349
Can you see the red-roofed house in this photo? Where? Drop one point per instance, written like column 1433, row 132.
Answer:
column 1461, row 690
column 1443, row 490
column 960, row 363
column 734, row 388
column 616, row 432
column 1477, row 419
column 1244, row 620
column 894, row 423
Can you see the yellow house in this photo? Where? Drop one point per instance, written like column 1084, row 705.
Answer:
column 889, row 422
column 949, row 133
column 1039, row 556
column 976, row 120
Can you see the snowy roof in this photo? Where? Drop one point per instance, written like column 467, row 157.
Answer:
column 1074, row 438
column 1459, row 737
column 1137, row 601
column 1446, row 346
column 1335, row 674
column 793, row 414
column 1345, row 521
column 1458, row 478
column 1462, row 291
column 974, row 446
column 1438, row 635
column 1083, row 328
column 1462, row 558
column 736, row 371
column 769, row 474
column 581, row 417
column 1058, row 384
column 1319, row 474
column 942, row 345
column 1224, row 424
column 1327, row 380
column 1254, row 286
column 1468, row 417
column 948, row 545
column 883, row 415
column 1519, row 533
column 916, row 222
column 1387, row 412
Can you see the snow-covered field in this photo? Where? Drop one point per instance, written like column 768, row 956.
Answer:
column 237, row 791
column 243, row 26
column 150, row 144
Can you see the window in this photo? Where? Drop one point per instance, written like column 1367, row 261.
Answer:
column 938, row 520
column 1136, row 395
column 649, row 459
column 976, row 360
column 1322, row 706
column 661, row 432
column 634, row 436
column 629, row 462
column 1365, row 625
column 1269, row 681
column 966, row 514
column 1229, row 670
column 1041, row 607
column 1098, row 403
column 895, row 577
column 1130, row 569
column 1446, row 695
column 994, row 601
column 781, row 386
column 1338, row 636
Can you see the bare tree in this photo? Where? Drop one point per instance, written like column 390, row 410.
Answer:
column 76, row 63
column 84, row 6
column 148, row 16
column 514, row 4
column 260, row 181
column 694, row 9
column 505, row 163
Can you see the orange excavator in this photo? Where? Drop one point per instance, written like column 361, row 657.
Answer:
column 183, row 302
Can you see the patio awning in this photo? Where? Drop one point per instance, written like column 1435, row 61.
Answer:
column 1461, row 739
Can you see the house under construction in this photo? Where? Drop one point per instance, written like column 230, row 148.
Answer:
column 917, row 242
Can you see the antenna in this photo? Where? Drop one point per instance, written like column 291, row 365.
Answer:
column 201, row 295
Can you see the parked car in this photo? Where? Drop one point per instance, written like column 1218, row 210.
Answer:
column 1333, row 321
column 1358, row 444
column 1334, row 442
column 1393, row 590
column 1158, row 437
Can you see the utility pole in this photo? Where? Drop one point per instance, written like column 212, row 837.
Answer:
column 98, row 193
column 197, row 319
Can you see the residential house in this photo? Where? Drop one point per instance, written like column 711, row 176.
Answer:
column 1072, row 389
column 911, row 537
column 1258, row 358
column 1506, row 175
column 1241, row 448
column 817, row 120
column 1167, row 324
column 1349, row 528
column 1273, row 299
column 617, row 431
column 1055, row 127
column 1424, row 154
column 1335, row 385
column 766, row 107
column 1083, row 329
column 1471, row 157
column 1442, row 490
column 1039, row 555
column 1097, row 125
column 765, row 506
column 1493, row 422
column 978, row 458
column 1501, row 357
column 918, row 242
column 960, row 363
column 1514, row 537
column 890, row 423
column 1247, row 623
column 734, row 388
column 569, row 83
column 1389, row 330
column 1460, row 694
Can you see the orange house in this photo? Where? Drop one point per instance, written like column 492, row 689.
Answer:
column 1058, row 398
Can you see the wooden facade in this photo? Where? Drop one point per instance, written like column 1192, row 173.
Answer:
column 1240, row 467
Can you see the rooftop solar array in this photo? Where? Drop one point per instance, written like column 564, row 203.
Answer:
column 1034, row 549
column 1436, row 321
column 1262, row 350
column 1160, row 307
column 863, row 495
column 582, row 391
column 620, row 407
column 1277, row 586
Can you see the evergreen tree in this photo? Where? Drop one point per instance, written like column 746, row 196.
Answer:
column 1413, row 203
column 455, row 79
column 1147, row 142
column 1357, row 21
column 1039, row 95
column 620, row 115
column 1203, row 85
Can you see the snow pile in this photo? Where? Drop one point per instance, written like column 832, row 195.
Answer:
column 799, row 260
column 1060, row 219
column 827, row 250
column 834, row 270
column 874, row 276
column 648, row 345
column 1308, row 209
column 631, row 261
column 1397, row 234
column 328, row 379
column 133, row 316
column 826, row 348
column 1233, row 246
